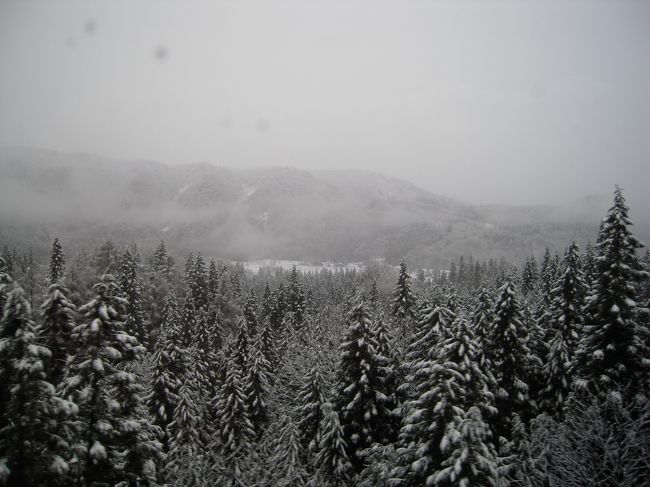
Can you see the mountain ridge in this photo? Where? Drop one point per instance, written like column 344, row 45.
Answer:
column 267, row 212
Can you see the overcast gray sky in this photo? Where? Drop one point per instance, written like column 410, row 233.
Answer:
column 515, row 102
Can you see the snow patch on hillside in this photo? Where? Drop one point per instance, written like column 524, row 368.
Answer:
column 184, row 189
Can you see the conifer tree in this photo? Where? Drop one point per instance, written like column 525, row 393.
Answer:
column 566, row 320
column 30, row 441
column 295, row 298
column 161, row 258
column 589, row 264
column 242, row 345
column 433, row 326
column 188, row 320
column 5, row 285
column 363, row 409
column 511, row 358
column 267, row 302
column 403, row 299
column 387, row 374
column 131, row 289
column 250, row 315
column 189, row 271
column 57, row 263
column 529, row 276
column 184, row 439
column 236, row 432
column 256, row 386
column 270, row 348
column 168, row 372
column 471, row 457
column 213, row 281
column 311, row 398
column 199, row 284
column 56, row 331
column 285, row 458
column 107, row 395
column 614, row 351
column 482, row 319
column 546, row 276
column 332, row 461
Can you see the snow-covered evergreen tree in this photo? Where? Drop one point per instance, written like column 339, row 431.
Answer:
column 185, row 444
column 108, row 396
column 285, row 459
column 236, row 431
column 168, row 371
column 57, row 263
column 188, row 320
column 403, row 299
column 30, row 440
column 511, row 358
column 363, row 409
column 482, row 319
column 311, row 398
column 433, row 326
column 566, row 320
column 161, row 258
column 58, row 322
column 447, row 386
column 256, row 387
column 614, row 352
column 199, row 284
column 213, row 281
column 250, row 314
column 388, row 378
column 295, row 298
column 471, row 457
column 242, row 344
column 332, row 462
column 131, row 289
column 529, row 276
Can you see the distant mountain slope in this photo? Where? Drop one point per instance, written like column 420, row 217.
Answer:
column 278, row 212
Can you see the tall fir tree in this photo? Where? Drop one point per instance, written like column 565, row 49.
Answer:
column 447, row 386
column 57, row 263
column 30, row 440
column 256, row 387
column 295, row 297
column 614, row 352
column 199, row 284
column 185, row 442
column 161, row 259
column 168, row 369
column 213, row 281
column 529, row 276
column 471, row 457
column 311, row 398
column 511, row 358
column 236, row 431
column 332, row 462
column 108, row 396
column 131, row 289
column 566, row 321
column 59, row 316
column 362, row 407
column 188, row 318
column 286, row 456
column 403, row 299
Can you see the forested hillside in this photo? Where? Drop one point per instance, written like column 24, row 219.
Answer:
column 118, row 368
column 281, row 212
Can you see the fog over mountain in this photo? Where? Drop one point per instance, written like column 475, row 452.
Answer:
column 276, row 212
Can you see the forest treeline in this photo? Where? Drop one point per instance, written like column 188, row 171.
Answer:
column 117, row 369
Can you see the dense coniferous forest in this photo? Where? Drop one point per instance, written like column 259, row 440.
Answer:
column 118, row 368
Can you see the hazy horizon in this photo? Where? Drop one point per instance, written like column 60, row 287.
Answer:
column 497, row 102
